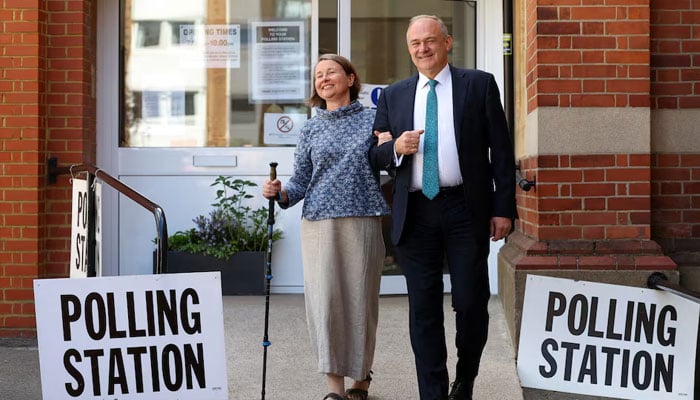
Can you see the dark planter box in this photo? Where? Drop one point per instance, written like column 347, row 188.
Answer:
column 242, row 274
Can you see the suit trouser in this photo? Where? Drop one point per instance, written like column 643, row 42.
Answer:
column 436, row 231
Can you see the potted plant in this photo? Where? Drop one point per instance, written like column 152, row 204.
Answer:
column 232, row 239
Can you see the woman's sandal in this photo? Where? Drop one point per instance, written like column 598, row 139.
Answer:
column 334, row 396
column 360, row 394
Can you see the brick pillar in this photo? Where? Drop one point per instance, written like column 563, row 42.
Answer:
column 675, row 118
column 584, row 137
column 46, row 58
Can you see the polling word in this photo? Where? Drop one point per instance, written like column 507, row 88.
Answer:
column 642, row 321
column 99, row 315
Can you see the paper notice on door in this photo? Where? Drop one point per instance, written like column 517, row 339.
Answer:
column 283, row 128
column 278, row 61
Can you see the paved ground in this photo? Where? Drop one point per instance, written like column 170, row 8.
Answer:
column 291, row 371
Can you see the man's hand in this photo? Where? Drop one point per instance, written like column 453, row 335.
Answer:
column 408, row 142
column 500, row 228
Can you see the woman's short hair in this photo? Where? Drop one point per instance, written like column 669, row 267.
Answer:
column 315, row 100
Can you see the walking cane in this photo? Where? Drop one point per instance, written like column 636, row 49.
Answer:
column 268, row 274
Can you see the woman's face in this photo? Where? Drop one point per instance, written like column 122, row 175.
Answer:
column 331, row 81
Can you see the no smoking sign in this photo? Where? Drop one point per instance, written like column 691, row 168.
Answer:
column 285, row 124
column 283, row 128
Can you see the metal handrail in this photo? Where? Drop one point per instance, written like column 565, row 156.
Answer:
column 161, row 262
column 658, row 280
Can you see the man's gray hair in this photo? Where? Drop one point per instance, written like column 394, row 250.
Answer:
column 435, row 18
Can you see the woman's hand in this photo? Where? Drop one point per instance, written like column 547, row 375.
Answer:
column 273, row 190
column 383, row 137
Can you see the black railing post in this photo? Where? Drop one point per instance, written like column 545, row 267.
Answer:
column 161, row 242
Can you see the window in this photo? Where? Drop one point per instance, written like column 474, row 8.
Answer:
column 198, row 78
column 178, row 32
column 148, row 33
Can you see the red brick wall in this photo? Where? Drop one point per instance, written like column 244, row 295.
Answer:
column 587, row 53
column 676, row 204
column 623, row 53
column 586, row 197
column 675, row 71
column 22, row 150
column 71, row 109
column 587, row 212
column 47, row 109
column 675, row 47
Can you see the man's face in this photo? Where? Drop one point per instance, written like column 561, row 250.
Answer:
column 428, row 46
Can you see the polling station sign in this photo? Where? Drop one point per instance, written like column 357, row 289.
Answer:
column 132, row 337
column 607, row 340
column 80, row 213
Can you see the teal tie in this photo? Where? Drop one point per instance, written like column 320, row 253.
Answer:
column 431, row 181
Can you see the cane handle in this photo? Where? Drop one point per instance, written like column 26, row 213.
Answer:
column 273, row 171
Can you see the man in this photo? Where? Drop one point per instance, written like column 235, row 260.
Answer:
column 452, row 222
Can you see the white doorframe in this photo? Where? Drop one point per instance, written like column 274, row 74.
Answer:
column 489, row 50
column 344, row 28
column 107, row 121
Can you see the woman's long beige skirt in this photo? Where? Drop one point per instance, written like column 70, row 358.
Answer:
column 343, row 260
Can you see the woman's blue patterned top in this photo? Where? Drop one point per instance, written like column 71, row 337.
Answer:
column 331, row 166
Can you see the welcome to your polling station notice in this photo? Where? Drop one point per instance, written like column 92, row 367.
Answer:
column 607, row 340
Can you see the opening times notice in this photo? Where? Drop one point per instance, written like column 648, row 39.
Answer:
column 221, row 44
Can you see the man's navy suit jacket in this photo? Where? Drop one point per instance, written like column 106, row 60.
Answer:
column 486, row 156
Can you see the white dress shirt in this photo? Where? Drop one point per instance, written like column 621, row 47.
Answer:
column 448, row 160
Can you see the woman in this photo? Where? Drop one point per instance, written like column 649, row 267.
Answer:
column 342, row 245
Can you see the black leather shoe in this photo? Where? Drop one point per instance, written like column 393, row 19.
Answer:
column 461, row 389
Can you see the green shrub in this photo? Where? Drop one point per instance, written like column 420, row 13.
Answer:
column 230, row 227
